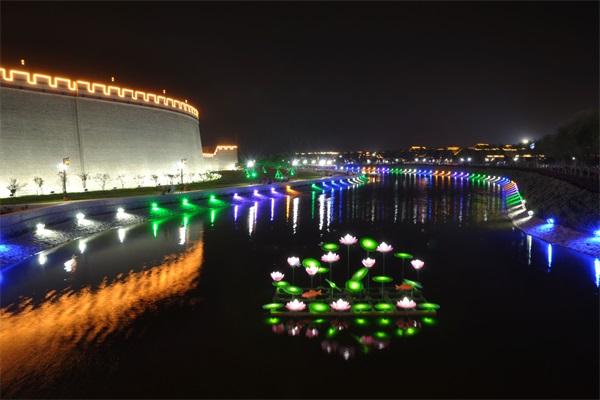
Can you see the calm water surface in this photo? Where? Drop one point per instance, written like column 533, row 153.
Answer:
column 172, row 308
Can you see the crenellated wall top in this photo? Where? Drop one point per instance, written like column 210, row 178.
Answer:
column 46, row 83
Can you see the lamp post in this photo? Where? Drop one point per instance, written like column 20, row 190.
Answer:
column 181, row 164
column 63, row 167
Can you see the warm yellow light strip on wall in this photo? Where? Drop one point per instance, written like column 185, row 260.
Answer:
column 222, row 147
column 22, row 77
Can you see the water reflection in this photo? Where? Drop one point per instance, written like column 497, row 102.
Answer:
column 40, row 341
column 349, row 337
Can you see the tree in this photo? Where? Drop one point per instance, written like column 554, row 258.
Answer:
column 191, row 176
column 170, row 177
column 14, row 186
column 121, row 178
column 84, row 176
column 39, row 182
column 101, row 179
column 139, row 179
column 155, row 179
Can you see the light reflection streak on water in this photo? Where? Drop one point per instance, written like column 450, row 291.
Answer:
column 121, row 234
column 235, row 213
column 549, row 256
column 82, row 245
column 340, row 208
column 321, row 211
column 529, row 240
column 329, row 212
column 42, row 341
column 296, row 203
column 597, row 271
column 272, row 208
column 287, row 208
column 252, row 218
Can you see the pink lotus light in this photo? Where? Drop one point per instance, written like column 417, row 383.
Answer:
column 368, row 262
column 348, row 240
column 417, row 264
column 312, row 270
column 278, row 329
column 277, row 276
column 330, row 257
column 295, row 305
column 293, row 261
column 384, row 248
column 406, row 303
column 340, row 305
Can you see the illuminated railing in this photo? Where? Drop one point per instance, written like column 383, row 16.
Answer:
column 223, row 147
column 26, row 80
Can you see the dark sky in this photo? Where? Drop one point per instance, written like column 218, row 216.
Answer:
column 296, row 76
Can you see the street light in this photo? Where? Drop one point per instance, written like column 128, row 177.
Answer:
column 63, row 169
column 181, row 164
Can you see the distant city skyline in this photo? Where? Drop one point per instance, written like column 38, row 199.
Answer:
column 297, row 76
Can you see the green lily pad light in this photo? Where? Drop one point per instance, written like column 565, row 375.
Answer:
column 361, row 273
column 361, row 307
column 272, row 320
column 384, row 307
column 354, row 286
column 318, row 307
column 323, row 270
column 403, row 255
column 311, row 262
column 381, row 335
column 330, row 247
column 293, row 290
column 272, row 306
column 413, row 283
column 429, row 306
column 280, row 284
column 382, row 279
column 429, row 321
column 368, row 244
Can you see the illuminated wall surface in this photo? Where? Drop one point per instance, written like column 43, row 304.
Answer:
column 223, row 158
column 101, row 129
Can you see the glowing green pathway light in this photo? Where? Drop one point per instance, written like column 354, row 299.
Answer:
column 154, row 207
column 361, row 273
column 429, row 306
column 280, row 284
column 354, row 286
column 413, row 283
column 272, row 306
column 185, row 202
column 311, row 262
column 330, row 247
column 403, row 255
column 272, row 320
column 382, row 279
column 318, row 307
column 429, row 321
column 293, row 290
column 384, row 307
column 333, row 285
column 361, row 307
column 368, row 244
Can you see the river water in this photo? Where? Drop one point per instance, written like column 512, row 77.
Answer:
column 173, row 307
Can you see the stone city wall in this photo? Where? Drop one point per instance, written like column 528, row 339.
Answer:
column 99, row 135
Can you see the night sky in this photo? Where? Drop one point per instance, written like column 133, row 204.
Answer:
column 302, row 76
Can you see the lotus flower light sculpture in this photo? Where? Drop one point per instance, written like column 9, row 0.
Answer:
column 417, row 264
column 340, row 305
column 330, row 257
column 277, row 276
column 368, row 262
column 293, row 262
column 384, row 248
column 295, row 305
column 406, row 303
column 312, row 272
column 348, row 240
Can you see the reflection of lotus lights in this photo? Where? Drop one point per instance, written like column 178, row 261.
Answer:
column 70, row 264
column 42, row 259
column 318, row 307
column 332, row 332
column 429, row 321
column 361, row 321
column 82, row 246
column 182, row 235
column 272, row 320
column 312, row 333
column 121, row 234
column 381, row 335
column 383, row 321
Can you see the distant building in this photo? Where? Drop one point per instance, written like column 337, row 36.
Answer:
column 220, row 158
